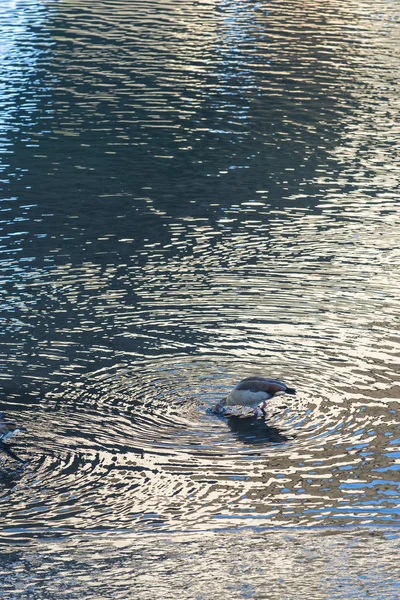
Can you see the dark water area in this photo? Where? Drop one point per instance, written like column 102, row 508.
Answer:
column 191, row 193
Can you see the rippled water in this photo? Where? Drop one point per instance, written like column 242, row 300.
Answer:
column 192, row 193
column 314, row 564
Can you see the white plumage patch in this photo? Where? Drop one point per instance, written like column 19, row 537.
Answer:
column 246, row 398
column 8, row 435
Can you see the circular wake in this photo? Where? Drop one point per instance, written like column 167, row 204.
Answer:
column 132, row 447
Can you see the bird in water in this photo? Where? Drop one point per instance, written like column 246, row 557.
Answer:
column 7, row 430
column 253, row 392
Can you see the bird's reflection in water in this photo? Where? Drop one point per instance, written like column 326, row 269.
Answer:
column 256, row 431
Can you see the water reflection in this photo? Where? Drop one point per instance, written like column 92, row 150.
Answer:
column 20, row 93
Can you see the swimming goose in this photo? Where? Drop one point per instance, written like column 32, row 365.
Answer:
column 253, row 392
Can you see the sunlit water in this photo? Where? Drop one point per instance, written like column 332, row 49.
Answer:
column 192, row 193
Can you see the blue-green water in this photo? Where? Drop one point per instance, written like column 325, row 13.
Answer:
column 193, row 192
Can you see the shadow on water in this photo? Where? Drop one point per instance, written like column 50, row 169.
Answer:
column 256, row 432
column 12, row 468
column 8, row 450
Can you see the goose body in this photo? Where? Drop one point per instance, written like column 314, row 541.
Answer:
column 254, row 392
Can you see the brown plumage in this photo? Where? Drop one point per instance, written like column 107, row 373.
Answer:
column 261, row 384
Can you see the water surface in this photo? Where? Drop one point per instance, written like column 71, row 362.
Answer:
column 191, row 193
